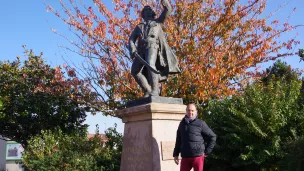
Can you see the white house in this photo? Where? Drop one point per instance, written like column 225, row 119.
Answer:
column 2, row 154
column 10, row 152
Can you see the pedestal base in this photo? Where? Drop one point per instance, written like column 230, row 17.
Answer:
column 149, row 136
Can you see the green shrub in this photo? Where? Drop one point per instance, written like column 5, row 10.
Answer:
column 55, row 151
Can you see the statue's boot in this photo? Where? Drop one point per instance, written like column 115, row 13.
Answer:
column 154, row 80
column 143, row 83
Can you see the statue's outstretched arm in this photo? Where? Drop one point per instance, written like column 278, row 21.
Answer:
column 166, row 11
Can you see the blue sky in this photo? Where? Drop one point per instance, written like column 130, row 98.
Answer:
column 28, row 23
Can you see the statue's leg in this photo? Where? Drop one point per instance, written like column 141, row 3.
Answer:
column 136, row 71
column 151, row 56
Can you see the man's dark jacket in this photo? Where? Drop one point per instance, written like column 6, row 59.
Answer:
column 191, row 139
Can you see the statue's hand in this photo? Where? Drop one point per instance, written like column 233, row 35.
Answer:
column 165, row 3
column 133, row 55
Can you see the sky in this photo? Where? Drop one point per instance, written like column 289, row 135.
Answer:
column 28, row 23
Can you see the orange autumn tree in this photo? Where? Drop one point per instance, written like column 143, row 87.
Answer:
column 217, row 43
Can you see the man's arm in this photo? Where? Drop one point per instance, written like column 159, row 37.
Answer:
column 166, row 11
column 177, row 143
column 206, row 131
column 132, row 40
column 177, row 146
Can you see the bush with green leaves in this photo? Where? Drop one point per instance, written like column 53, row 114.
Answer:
column 109, row 160
column 255, row 128
column 60, row 152
column 56, row 151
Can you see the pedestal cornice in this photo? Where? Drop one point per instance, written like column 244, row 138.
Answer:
column 152, row 111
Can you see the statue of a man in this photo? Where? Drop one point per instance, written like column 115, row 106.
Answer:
column 154, row 60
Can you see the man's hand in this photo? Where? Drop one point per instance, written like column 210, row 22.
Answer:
column 176, row 160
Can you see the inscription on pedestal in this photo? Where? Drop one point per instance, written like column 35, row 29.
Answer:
column 138, row 149
column 138, row 157
column 167, row 148
column 136, row 162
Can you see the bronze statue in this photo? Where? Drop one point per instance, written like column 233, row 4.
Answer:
column 154, row 60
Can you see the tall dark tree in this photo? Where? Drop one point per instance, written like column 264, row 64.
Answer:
column 36, row 97
column 280, row 71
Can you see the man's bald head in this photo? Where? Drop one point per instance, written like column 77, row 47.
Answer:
column 191, row 110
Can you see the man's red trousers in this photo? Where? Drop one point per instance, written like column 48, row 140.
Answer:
column 196, row 162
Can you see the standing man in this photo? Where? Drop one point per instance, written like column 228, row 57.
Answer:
column 153, row 49
column 192, row 134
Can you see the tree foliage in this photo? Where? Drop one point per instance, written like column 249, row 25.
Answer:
column 111, row 155
column 215, row 41
column 256, row 128
column 36, row 97
column 294, row 161
column 280, row 71
column 57, row 151
column 60, row 152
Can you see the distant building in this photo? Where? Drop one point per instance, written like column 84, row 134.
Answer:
column 2, row 153
column 102, row 137
column 10, row 152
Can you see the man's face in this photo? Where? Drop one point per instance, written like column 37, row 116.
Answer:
column 191, row 111
column 148, row 13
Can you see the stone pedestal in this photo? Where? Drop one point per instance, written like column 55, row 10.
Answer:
column 149, row 136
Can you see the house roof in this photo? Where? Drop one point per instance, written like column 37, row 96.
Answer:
column 101, row 136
